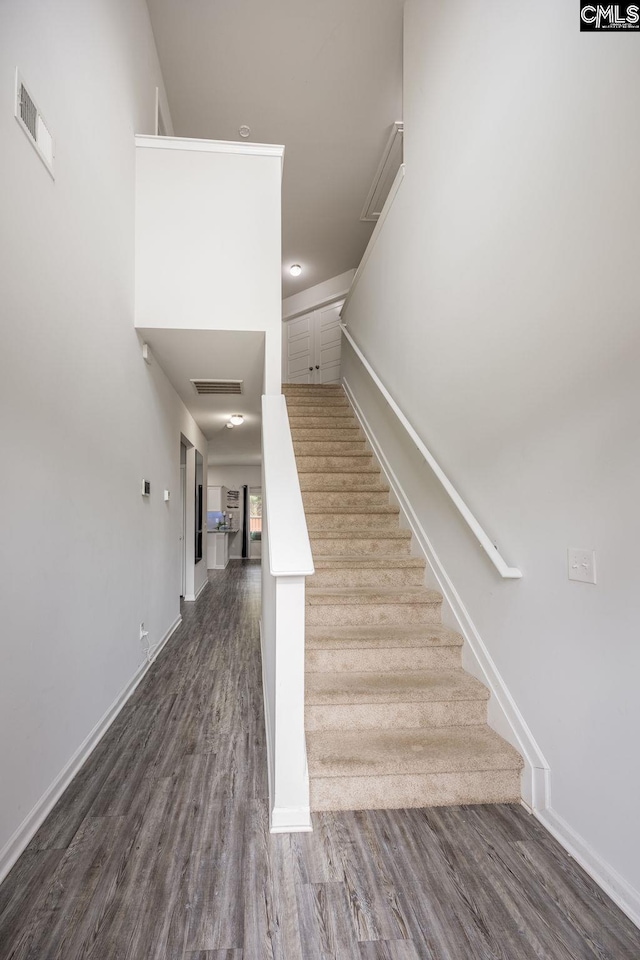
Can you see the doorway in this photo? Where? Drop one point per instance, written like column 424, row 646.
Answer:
column 255, row 523
column 183, row 520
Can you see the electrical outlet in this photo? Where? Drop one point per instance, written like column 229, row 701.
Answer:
column 582, row 565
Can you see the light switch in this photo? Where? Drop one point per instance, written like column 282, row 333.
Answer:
column 582, row 565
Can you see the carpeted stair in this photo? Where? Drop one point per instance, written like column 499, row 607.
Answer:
column 392, row 719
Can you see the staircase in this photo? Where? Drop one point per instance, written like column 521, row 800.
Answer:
column 392, row 719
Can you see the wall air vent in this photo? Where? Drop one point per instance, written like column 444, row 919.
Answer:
column 385, row 174
column 217, row 387
column 33, row 124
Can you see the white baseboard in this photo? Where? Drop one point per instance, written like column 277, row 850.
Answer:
column 192, row 597
column 536, row 774
column 205, row 584
column 290, row 820
column 19, row 841
column 615, row 886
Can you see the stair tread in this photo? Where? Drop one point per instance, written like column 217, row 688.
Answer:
column 354, row 488
column 361, row 534
column 388, row 752
column 364, row 509
column 360, row 595
column 367, row 563
column 349, row 454
column 381, row 637
column 397, row 686
column 333, row 469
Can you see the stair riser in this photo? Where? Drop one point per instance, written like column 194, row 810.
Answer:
column 300, row 434
column 357, row 547
column 347, row 522
column 405, row 716
column 320, row 500
column 334, row 411
column 383, row 659
column 337, row 482
column 345, row 464
column 414, row 790
column 370, row 614
column 326, row 399
column 322, row 419
column 312, row 390
column 329, row 448
column 411, row 577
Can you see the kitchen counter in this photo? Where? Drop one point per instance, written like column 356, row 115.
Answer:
column 218, row 548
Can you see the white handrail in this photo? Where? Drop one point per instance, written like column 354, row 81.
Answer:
column 289, row 548
column 510, row 573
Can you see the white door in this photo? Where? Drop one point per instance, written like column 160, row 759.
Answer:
column 312, row 346
column 329, row 344
column 299, row 337
column 183, row 528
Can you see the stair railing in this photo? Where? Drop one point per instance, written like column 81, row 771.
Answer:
column 503, row 568
column 287, row 560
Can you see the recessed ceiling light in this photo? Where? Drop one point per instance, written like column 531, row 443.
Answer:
column 236, row 419
column 244, row 131
column 295, row 270
column 229, row 426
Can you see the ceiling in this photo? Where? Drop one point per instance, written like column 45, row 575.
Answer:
column 210, row 355
column 323, row 77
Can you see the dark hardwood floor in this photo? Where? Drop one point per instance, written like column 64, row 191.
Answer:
column 160, row 850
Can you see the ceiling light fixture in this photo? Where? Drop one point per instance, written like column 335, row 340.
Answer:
column 236, row 419
column 295, row 270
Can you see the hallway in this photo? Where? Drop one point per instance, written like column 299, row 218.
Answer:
column 160, row 848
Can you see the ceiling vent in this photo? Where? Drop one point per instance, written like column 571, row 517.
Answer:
column 212, row 388
column 385, row 174
column 32, row 122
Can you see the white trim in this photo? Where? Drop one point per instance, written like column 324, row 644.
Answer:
column 211, row 146
column 397, row 183
column 290, row 820
column 205, row 584
column 281, row 819
column 614, row 885
column 192, row 597
column 19, row 841
column 536, row 775
column 267, row 718
column 505, row 571
column 317, row 306
column 368, row 214
column 288, row 540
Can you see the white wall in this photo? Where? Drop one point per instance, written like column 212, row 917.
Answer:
column 83, row 557
column 317, row 296
column 234, row 477
column 208, row 247
column 500, row 306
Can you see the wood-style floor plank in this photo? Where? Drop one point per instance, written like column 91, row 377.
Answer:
column 160, row 848
column 326, row 927
column 389, row 950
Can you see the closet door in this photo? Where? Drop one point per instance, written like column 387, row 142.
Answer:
column 300, row 350
column 328, row 344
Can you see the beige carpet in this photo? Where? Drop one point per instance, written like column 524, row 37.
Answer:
column 392, row 719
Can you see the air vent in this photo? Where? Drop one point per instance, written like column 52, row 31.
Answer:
column 385, row 174
column 217, row 387
column 32, row 122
